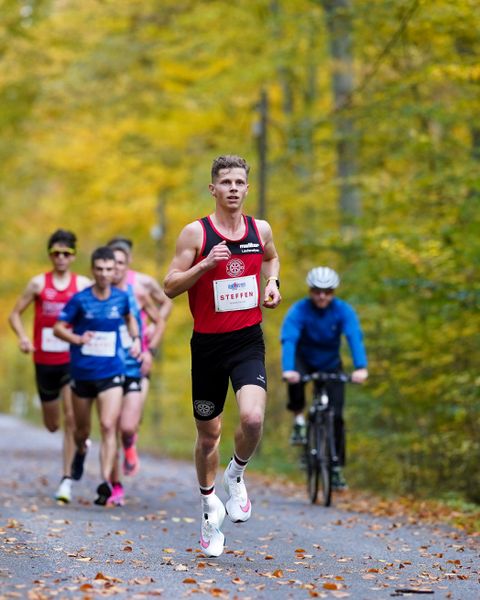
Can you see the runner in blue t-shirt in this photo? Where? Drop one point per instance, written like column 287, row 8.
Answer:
column 311, row 336
column 91, row 323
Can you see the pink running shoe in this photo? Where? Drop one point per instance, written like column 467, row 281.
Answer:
column 118, row 495
column 131, row 462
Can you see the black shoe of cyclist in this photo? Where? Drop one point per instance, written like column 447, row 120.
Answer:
column 77, row 465
column 338, row 480
column 298, row 436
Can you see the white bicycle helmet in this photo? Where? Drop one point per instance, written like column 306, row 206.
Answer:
column 323, row 278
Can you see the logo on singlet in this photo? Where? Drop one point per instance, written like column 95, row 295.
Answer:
column 204, row 408
column 235, row 267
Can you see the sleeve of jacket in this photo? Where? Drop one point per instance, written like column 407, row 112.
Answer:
column 290, row 334
column 354, row 335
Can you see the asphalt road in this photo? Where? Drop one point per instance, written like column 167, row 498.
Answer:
column 149, row 547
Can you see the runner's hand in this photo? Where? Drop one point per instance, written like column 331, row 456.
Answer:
column 85, row 337
column 136, row 348
column 272, row 296
column 26, row 345
column 217, row 254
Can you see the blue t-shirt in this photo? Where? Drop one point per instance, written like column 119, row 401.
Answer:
column 104, row 356
column 314, row 335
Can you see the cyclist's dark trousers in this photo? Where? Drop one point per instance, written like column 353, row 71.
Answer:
column 336, row 393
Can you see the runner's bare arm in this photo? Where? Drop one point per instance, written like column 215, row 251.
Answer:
column 62, row 330
column 153, row 288
column 182, row 273
column 157, row 327
column 28, row 296
column 133, row 330
column 270, row 266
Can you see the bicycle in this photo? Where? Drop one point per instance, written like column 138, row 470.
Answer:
column 320, row 453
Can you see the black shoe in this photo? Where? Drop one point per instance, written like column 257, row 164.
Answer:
column 77, row 465
column 298, row 436
column 338, row 480
column 104, row 491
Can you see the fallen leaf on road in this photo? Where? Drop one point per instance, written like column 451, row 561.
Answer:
column 330, row 586
column 278, row 573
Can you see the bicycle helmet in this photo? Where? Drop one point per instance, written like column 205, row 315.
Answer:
column 323, row 278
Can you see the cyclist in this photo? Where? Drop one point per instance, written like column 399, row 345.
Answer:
column 311, row 339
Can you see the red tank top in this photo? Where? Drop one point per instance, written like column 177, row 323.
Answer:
column 227, row 298
column 50, row 350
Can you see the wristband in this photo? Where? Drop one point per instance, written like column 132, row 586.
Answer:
column 275, row 279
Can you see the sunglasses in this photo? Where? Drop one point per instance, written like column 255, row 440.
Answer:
column 66, row 252
column 327, row 291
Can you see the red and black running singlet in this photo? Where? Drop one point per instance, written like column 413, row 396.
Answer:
column 227, row 298
column 50, row 350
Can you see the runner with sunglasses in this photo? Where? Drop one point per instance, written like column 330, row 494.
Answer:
column 50, row 292
column 311, row 339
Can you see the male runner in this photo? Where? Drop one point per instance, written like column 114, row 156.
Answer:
column 132, row 406
column 90, row 322
column 49, row 292
column 219, row 260
column 144, row 286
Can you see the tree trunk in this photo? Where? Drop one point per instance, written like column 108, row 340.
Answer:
column 339, row 26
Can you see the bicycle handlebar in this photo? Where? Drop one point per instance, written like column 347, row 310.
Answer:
column 321, row 376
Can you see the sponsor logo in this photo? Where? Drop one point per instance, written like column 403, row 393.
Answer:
column 235, row 267
column 250, row 247
column 114, row 312
column 52, row 309
column 204, row 408
column 261, row 378
column 236, row 285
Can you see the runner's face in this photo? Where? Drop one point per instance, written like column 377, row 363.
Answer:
column 103, row 271
column 230, row 188
column 121, row 266
column 61, row 257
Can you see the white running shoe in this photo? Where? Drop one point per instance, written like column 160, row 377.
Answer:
column 64, row 491
column 238, row 505
column 212, row 540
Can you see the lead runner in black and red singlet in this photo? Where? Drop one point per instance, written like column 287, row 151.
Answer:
column 220, row 260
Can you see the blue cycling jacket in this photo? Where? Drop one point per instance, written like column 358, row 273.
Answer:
column 315, row 335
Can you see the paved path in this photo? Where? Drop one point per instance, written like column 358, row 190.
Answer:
column 148, row 548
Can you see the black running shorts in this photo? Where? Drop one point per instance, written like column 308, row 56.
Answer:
column 132, row 384
column 91, row 389
column 50, row 380
column 217, row 358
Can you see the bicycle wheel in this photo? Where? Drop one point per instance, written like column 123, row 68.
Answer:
column 311, row 460
column 324, row 461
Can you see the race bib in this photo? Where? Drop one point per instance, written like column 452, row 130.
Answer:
column 103, row 343
column 51, row 343
column 125, row 338
column 239, row 293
